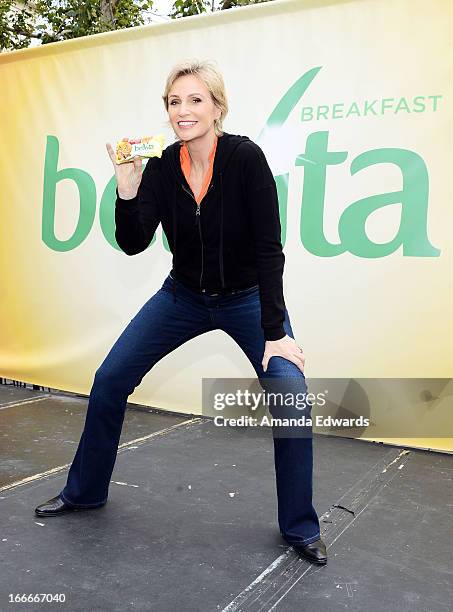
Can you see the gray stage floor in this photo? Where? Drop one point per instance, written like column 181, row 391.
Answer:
column 191, row 519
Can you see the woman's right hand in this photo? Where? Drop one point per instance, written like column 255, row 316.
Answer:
column 128, row 175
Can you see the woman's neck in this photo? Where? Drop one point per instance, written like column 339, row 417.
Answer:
column 199, row 151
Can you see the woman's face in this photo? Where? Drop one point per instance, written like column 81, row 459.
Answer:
column 189, row 100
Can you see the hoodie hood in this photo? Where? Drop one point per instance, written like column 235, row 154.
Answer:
column 226, row 146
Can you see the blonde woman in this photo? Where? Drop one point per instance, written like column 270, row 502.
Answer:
column 216, row 198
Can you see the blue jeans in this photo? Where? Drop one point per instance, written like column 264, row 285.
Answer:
column 160, row 326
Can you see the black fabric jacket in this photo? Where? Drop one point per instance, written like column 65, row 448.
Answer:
column 231, row 241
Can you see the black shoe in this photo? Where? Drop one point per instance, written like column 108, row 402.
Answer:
column 53, row 507
column 314, row 552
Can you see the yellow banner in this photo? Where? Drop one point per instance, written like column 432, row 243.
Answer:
column 351, row 102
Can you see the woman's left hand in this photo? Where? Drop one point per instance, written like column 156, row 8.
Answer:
column 285, row 347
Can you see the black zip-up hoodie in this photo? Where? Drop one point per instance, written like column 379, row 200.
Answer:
column 231, row 240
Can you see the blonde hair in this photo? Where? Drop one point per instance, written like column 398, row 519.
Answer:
column 208, row 72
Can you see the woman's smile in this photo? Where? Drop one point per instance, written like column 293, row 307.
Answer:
column 186, row 124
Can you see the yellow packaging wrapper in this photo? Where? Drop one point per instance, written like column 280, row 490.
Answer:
column 145, row 146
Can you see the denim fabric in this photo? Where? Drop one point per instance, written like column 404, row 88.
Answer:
column 160, row 326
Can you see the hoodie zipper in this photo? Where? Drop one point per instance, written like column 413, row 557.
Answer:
column 197, row 221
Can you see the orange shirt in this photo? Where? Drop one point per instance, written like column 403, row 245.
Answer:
column 186, row 163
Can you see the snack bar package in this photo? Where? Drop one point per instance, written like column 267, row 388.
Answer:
column 147, row 146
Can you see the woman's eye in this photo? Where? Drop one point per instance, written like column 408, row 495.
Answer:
column 195, row 100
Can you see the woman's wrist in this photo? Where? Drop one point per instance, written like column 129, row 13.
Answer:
column 126, row 195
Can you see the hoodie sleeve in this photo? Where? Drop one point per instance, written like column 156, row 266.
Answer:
column 136, row 220
column 264, row 216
